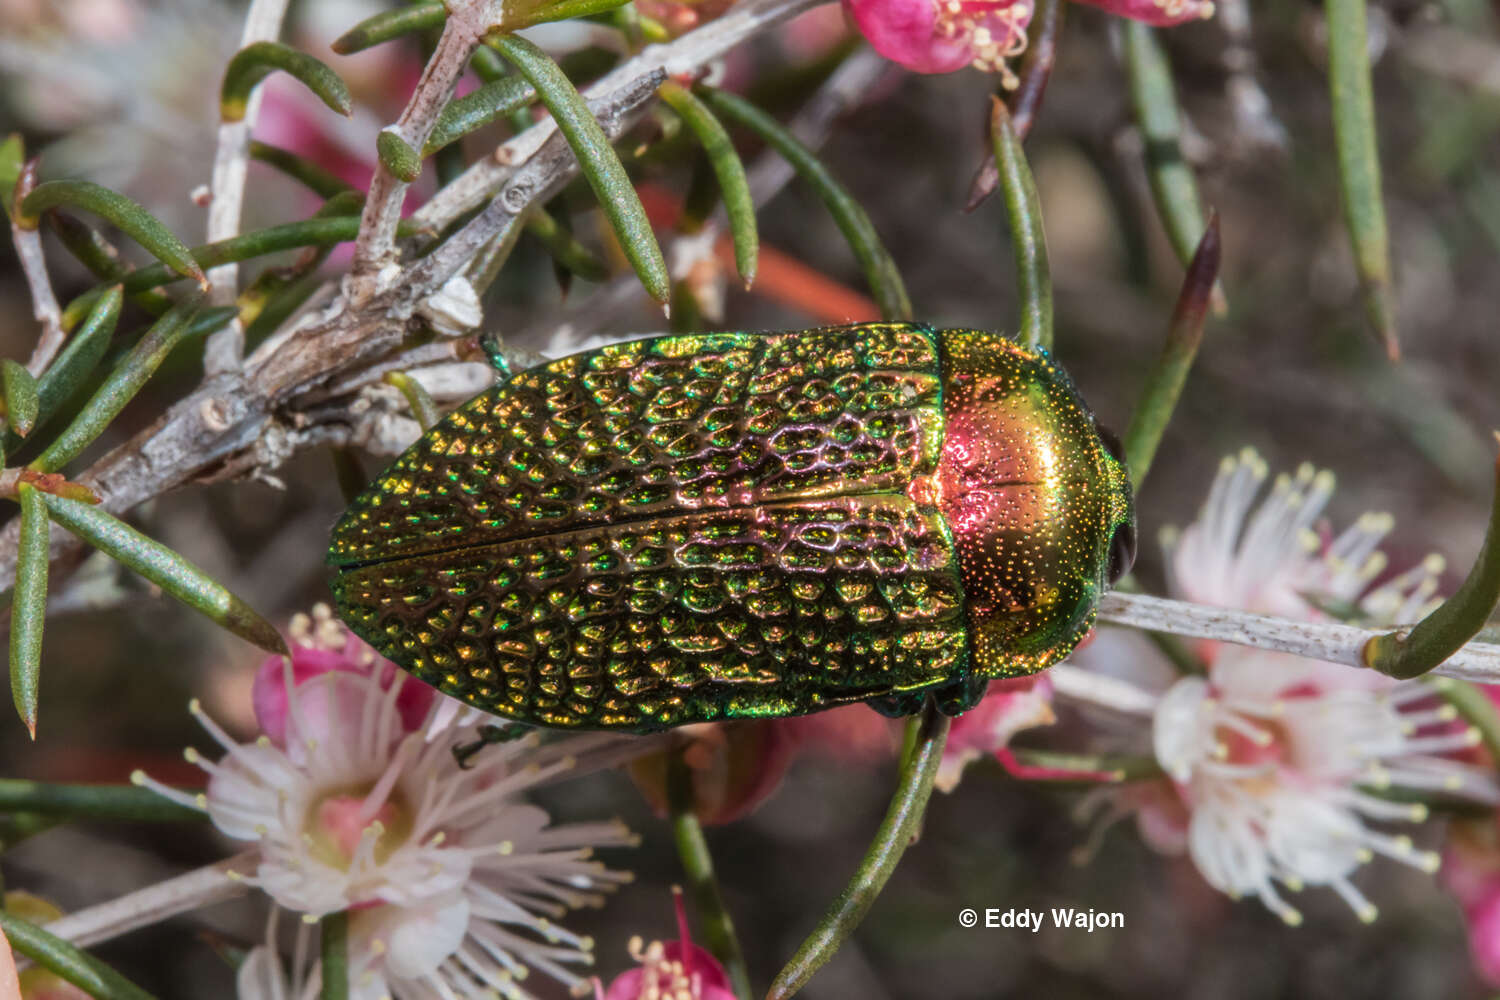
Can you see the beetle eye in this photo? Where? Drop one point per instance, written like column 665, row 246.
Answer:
column 1111, row 444
column 1121, row 552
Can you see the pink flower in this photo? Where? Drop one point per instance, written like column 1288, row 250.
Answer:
column 355, row 803
column 940, row 36
column 1484, row 938
column 321, row 644
column 1007, row 707
column 679, row 970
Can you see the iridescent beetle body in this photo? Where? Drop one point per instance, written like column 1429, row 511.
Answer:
column 734, row 525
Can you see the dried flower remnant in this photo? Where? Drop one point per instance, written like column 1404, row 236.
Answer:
column 733, row 768
column 940, row 36
column 1270, row 755
column 452, row 882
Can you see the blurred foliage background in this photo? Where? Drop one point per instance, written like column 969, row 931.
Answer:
column 123, row 92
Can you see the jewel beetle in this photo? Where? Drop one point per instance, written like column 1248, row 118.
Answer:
column 743, row 525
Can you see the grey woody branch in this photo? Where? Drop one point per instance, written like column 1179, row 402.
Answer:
column 248, row 422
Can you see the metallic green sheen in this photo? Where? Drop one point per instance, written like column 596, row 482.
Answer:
column 721, row 526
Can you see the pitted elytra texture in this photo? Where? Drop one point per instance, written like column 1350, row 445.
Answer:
column 739, row 525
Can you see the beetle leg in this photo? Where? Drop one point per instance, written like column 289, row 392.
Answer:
column 464, row 753
column 961, row 695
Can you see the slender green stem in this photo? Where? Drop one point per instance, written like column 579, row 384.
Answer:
column 349, row 474
column 333, row 933
column 1164, row 385
column 902, row 819
column 423, row 409
column 1454, row 622
column 1154, row 100
column 69, row 962
column 92, row 802
column 565, row 248
column 1024, row 210
column 597, row 159
column 29, row 606
column 880, row 269
column 256, row 61
column 1475, row 708
column 698, row 865
column 1359, row 162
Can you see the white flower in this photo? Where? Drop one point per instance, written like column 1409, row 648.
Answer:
column 1272, row 759
column 1275, row 758
column 452, row 883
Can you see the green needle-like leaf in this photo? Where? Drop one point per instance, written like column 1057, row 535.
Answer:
column 29, row 605
column 902, row 820
column 565, row 247
column 118, row 389
column 12, row 159
column 398, row 157
column 256, row 61
column 95, row 802
column 68, row 961
column 423, row 409
column 165, row 568
column 597, row 159
column 1164, row 385
column 490, row 102
column 1033, row 276
column 66, row 375
column 1154, row 98
column 487, row 65
column 728, row 168
column 880, row 270
column 561, row 12
column 1359, row 163
column 390, row 24
column 20, row 392
column 322, row 182
column 318, row 231
column 140, row 224
column 333, row 945
column 1432, row 640
column 100, row 257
